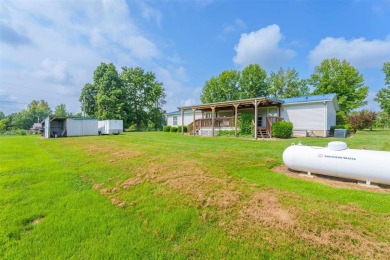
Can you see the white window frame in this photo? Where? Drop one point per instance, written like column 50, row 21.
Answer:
column 174, row 120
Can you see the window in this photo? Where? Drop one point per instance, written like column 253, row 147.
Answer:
column 272, row 111
column 174, row 120
column 259, row 121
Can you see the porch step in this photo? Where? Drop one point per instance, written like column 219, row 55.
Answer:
column 263, row 133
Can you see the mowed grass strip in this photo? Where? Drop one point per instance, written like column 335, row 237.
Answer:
column 163, row 195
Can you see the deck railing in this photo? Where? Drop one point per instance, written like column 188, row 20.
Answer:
column 226, row 122
column 219, row 122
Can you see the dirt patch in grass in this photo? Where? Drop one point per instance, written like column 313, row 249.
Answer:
column 38, row 220
column 331, row 181
column 243, row 209
column 111, row 153
column 118, row 203
column 265, row 207
column 349, row 241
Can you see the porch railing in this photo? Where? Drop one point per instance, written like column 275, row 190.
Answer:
column 219, row 122
column 225, row 122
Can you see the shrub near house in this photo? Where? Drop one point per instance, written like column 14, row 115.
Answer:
column 282, row 129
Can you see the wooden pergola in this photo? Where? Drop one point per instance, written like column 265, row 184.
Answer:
column 233, row 105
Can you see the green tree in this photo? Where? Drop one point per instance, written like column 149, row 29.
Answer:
column 233, row 84
column 287, row 84
column 60, row 110
column 2, row 115
column 135, row 96
column 253, row 82
column 145, row 97
column 4, row 124
column 210, row 91
column 110, row 98
column 382, row 120
column 221, row 88
column 88, row 100
column 36, row 111
column 383, row 95
column 335, row 76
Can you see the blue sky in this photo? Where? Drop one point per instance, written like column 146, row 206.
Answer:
column 49, row 49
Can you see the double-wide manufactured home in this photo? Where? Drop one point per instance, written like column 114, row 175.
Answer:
column 63, row 126
column 310, row 115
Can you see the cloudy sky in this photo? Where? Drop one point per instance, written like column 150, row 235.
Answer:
column 49, row 49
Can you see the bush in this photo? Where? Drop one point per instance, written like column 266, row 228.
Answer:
column 246, row 124
column 179, row 129
column 173, row 129
column 167, row 128
column 226, row 133
column 333, row 127
column 282, row 129
column 361, row 120
column 15, row 132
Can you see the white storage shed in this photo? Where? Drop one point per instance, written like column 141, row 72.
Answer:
column 63, row 126
column 110, row 126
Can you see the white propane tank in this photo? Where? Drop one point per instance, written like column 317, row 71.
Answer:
column 339, row 161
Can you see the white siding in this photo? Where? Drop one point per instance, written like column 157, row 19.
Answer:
column 188, row 118
column 331, row 115
column 80, row 127
column 47, row 127
column 305, row 116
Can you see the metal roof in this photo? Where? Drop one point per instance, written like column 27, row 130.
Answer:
column 325, row 97
column 230, row 103
column 265, row 100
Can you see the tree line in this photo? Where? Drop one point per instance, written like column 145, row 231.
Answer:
column 35, row 112
column 136, row 97
column 331, row 76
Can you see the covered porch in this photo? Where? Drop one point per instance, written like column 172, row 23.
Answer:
column 224, row 116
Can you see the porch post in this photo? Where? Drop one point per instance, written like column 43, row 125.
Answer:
column 279, row 108
column 182, row 121
column 212, row 120
column 193, row 120
column 256, row 112
column 235, row 118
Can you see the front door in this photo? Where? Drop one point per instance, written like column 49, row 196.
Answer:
column 259, row 121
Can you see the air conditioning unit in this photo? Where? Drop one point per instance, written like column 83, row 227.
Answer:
column 340, row 133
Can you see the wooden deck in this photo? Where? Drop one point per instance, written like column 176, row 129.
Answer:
column 227, row 123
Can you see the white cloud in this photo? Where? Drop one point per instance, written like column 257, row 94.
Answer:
column 58, row 44
column 360, row 52
column 262, row 47
column 177, row 90
column 231, row 28
column 150, row 13
column 189, row 102
column 54, row 71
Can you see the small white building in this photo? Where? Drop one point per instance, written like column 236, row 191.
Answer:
column 310, row 115
column 63, row 126
column 110, row 126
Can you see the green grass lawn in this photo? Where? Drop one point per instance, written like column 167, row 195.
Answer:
column 163, row 195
